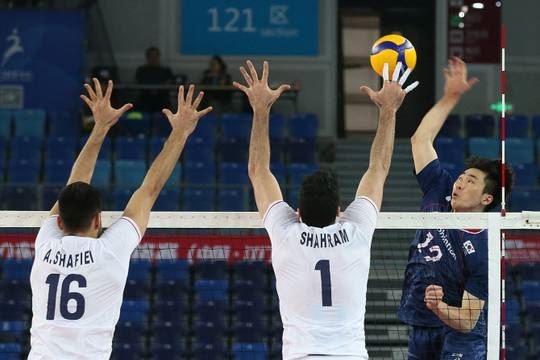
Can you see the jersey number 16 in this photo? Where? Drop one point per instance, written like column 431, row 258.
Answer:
column 65, row 296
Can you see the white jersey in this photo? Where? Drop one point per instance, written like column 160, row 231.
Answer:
column 321, row 280
column 77, row 287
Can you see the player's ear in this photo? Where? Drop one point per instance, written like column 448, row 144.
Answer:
column 487, row 199
column 338, row 211
column 60, row 223
column 97, row 221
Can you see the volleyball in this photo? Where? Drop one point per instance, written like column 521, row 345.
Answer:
column 391, row 49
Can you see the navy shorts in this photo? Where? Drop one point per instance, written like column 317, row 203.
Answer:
column 425, row 343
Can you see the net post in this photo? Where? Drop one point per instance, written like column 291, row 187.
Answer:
column 494, row 285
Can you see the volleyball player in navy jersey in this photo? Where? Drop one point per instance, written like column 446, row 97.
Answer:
column 445, row 290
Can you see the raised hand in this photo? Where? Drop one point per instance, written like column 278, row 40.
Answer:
column 105, row 116
column 433, row 296
column 455, row 75
column 260, row 95
column 186, row 117
column 391, row 95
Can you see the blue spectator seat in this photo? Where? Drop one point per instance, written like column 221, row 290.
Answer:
column 175, row 179
column 130, row 148
column 136, row 290
column 20, row 197
column 292, row 198
column 517, row 126
column 135, row 123
column 12, row 310
column 297, row 172
column 302, row 150
column 531, row 291
column 172, row 311
column 521, row 200
column 134, row 311
column 170, row 351
column 535, row 120
column 251, row 271
column 60, row 148
column 277, row 151
column 49, row 194
column 198, row 199
column 168, row 200
column 169, row 333
column 12, row 332
column 233, row 150
column 233, row 173
column 279, row 171
column 131, row 351
column 484, row 147
column 250, row 351
column 140, row 269
column 174, row 290
column 211, row 311
column 519, row 151
column 211, row 290
column 17, row 290
column 480, row 125
column 303, row 125
column 209, row 351
column 450, row 150
column 172, row 270
column 236, row 126
column 106, row 148
column 102, row 173
column 120, row 198
column 6, row 117
column 160, row 125
column 26, row 148
column 10, row 351
column 208, row 333
column 57, row 171
column 23, row 171
column 29, row 122
column 155, row 144
column 277, row 127
column 526, row 175
column 129, row 173
column 199, row 173
column 206, row 128
column 451, row 127
column 199, row 149
column 231, row 199
column 64, row 124
column 130, row 332
column 16, row 269
column 211, row 270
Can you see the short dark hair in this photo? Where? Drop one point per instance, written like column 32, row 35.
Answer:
column 152, row 49
column 319, row 199
column 493, row 170
column 221, row 62
column 78, row 203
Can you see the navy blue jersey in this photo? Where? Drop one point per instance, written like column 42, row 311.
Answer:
column 456, row 260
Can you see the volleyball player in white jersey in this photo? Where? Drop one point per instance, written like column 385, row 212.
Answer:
column 79, row 274
column 321, row 263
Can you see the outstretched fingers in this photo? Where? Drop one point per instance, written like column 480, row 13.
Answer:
column 87, row 101
column 168, row 113
column 246, row 76
column 252, row 71
column 97, row 85
column 205, row 111
column 240, row 86
column 189, row 97
column 385, row 72
column 108, row 91
column 397, row 71
column 181, row 100
column 90, row 92
column 411, row 87
column 405, row 76
column 283, row 88
column 265, row 72
column 198, row 100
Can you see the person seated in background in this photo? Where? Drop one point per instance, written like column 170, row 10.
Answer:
column 217, row 75
column 153, row 73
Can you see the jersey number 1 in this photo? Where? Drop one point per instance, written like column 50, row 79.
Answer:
column 326, row 284
column 65, row 296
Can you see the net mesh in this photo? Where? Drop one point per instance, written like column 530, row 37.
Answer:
column 201, row 285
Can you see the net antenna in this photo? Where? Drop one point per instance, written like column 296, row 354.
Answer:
column 503, row 191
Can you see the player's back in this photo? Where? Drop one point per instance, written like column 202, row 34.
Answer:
column 321, row 280
column 77, row 287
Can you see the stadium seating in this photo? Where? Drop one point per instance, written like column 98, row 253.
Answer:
column 303, row 125
column 135, row 123
column 526, row 175
column 23, row 171
column 56, row 171
column 301, row 150
column 60, row 148
column 232, row 199
column 102, row 173
column 106, row 148
column 277, row 127
column 236, row 126
column 49, row 195
column 233, row 173
column 484, row 147
column 29, row 122
column 26, row 148
column 129, row 173
column 199, row 149
column 168, row 200
column 479, row 125
column 6, row 117
column 198, row 199
column 199, row 173
column 519, row 151
column 451, row 127
column 130, row 148
column 297, row 172
column 517, row 126
column 233, row 150
column 64, row 124
column 451, row 150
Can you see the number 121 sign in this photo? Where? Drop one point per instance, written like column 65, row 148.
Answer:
column 248, row 27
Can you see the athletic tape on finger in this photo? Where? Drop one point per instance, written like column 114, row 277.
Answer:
column 385, row 72
column 397, row 70
column 405, row 76
column 411, row 87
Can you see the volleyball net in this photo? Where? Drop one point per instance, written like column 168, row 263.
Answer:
column 201, row 285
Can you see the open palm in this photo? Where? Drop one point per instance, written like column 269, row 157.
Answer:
column 100, row 104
